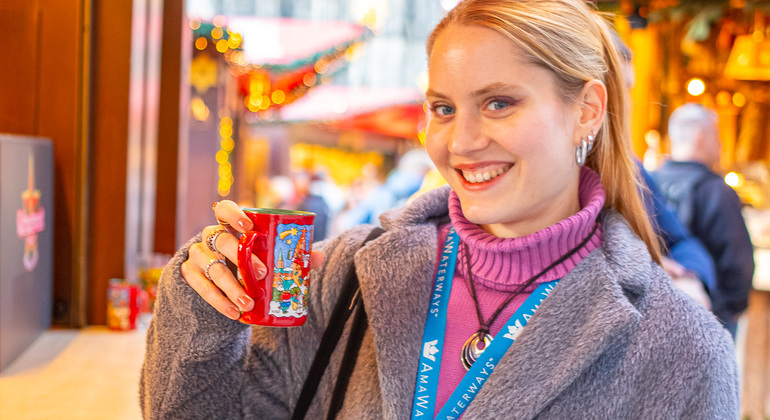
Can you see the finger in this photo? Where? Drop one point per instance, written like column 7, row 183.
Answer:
column 208, row 291
column 221, row 277
column 316, row 259
column 673, row 268
column 228, row 212
column 226, row 282
column 227, row 245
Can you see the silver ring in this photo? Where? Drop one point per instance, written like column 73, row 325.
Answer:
column 211, row 238
column 212, row 262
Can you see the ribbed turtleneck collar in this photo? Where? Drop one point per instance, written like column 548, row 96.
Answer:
column 505, row 263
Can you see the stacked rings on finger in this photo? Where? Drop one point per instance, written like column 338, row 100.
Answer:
column 211, row 238
column 208, row 266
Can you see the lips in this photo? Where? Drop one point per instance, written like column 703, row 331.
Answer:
column 477, row 176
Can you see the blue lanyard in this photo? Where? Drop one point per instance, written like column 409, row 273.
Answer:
column 433, row 342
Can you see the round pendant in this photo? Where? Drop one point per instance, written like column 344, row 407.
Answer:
column 471, row 350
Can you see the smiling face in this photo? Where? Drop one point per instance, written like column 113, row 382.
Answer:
column 499, row 133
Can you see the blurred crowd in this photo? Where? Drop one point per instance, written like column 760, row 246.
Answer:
column 339, row 207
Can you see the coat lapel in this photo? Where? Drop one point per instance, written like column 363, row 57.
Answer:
column 396, row 283
column 589, row 309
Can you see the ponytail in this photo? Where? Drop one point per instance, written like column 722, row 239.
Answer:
column 615, row 164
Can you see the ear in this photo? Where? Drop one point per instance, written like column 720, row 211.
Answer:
column 592, row 104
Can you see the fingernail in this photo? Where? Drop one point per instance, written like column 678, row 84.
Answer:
column 259, row 269
column 245, row 224
column 233, row 312
column 246, row 303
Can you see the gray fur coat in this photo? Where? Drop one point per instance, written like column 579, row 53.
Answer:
column 614, row 340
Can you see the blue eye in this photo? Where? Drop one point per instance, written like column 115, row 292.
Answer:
column 443, row 110
column 497, row 105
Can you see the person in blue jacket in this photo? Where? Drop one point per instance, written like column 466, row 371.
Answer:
column 683, row 248
column 686, row 255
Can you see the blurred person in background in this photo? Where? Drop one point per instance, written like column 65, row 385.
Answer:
column 528, row 287
column 310, row 199
column 399, row 185
column 708, row 207
column 687, row 261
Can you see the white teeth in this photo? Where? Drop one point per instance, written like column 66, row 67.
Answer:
column 477, row 177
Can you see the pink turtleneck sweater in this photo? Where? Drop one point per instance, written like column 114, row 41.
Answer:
column 500, row 265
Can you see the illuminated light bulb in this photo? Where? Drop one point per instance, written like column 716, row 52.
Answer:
column 278, row 97
column 201, row 43
column 352, row 52
column 199, row 109
column 219, row 21
column 320, row 67
column 222, row 46
column 265, row 104
column 652, row 137
column 226, row 120
column 309, row 79
column 227, row 144
column 723, row 98
column 696, row 87
column 226, row 131
column 217, row 32
column 739, row 99
column 234, row 41
column 195, row 24
column 255, row 100
column 221, row 157
column 733, row 179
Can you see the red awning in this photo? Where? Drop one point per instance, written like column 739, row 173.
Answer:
column 396, row 112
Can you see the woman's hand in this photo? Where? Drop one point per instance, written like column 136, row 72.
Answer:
column 221, row 289
column 687, row 282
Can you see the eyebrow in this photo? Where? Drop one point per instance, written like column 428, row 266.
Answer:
column 480, row 92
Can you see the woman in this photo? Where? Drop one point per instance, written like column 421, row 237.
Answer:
column 527, row 127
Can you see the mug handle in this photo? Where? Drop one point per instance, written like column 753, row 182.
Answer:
column 247, row 244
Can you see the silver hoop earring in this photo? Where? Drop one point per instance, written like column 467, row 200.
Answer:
column 591, row 138
column 581, row 152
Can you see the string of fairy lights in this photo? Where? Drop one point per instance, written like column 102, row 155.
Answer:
column 264, row 88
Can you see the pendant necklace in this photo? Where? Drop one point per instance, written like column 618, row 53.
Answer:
column 481, row 339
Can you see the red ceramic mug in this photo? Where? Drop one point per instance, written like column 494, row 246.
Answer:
column 282, row 240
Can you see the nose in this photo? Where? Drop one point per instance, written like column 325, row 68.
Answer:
column 467, row 134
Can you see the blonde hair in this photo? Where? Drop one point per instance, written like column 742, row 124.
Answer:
column 575, row 43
